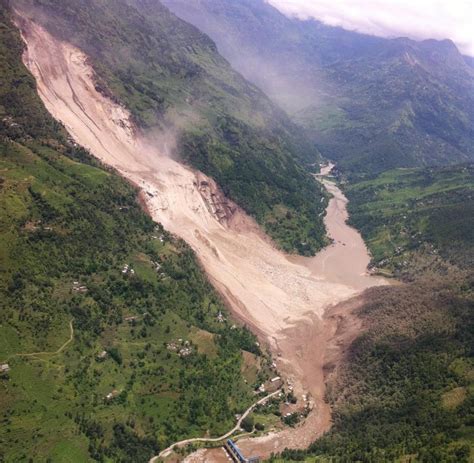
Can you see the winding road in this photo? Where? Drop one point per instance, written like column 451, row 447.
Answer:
column 168, row 450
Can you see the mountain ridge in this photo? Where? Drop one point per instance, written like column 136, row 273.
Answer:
column 369, row 103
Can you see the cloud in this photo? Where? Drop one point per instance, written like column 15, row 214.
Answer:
column 417, row 19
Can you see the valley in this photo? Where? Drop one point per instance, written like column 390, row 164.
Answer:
column 187, row 255
column 369, row 103
column 282, row 299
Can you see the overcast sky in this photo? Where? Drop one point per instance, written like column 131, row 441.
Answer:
column 418, row 19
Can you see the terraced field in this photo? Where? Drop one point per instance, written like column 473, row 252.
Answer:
column 407, row 212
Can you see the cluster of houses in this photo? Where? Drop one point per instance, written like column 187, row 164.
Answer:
column 9, row 122
column 159, row 237
column 78, row 288
column 274, row 384
column 33, row 226
column 183, row 348
column 127, row 270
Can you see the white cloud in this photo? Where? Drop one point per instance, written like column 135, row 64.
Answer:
column 418, row 19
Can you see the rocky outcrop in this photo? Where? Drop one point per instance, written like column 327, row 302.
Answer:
column 217, row 203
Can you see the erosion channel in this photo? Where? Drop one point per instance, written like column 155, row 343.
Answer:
column 300, row 307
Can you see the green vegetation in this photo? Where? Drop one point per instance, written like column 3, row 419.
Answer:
column 397, row 397
column 107, row 323
column 170, row 76
column 248, row 423
column 408, row 213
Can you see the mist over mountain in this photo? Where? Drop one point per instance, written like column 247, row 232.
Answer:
column 420, row 20
column 370, row 103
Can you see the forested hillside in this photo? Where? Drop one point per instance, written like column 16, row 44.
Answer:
column 114, row 342
column 171, row 76
column 406, row 390
column 370, row 103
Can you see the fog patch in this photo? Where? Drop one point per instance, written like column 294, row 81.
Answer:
column 423, row 19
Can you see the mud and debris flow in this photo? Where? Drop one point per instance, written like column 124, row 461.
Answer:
column 272, row 293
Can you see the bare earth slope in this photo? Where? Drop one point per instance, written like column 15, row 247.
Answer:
column 283, row 299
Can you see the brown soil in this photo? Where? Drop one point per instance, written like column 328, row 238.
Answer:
column 286, row 300
column 218, row 455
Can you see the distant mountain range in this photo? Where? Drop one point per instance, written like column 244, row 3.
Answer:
column 370, row 103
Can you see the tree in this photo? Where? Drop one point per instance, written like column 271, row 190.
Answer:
column 248, row 423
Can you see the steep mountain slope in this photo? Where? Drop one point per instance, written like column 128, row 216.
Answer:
column 108, row 326
column 370, row 103
column 273, row 293
column 171, row 78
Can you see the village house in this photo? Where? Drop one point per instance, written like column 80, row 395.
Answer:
column 76, row 286
column 102, row 355
column 112, row 395
column 4, row 368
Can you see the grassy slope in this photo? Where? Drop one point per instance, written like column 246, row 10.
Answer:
column 167, row 72
column 64, row 219
column 406, row 389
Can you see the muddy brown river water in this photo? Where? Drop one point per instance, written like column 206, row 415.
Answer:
column 346, row 260
column 292, row 303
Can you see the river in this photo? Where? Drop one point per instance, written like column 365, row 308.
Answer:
column 346, row 260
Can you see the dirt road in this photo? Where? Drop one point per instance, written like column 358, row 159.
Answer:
column 51, row 354
column 282, row 299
